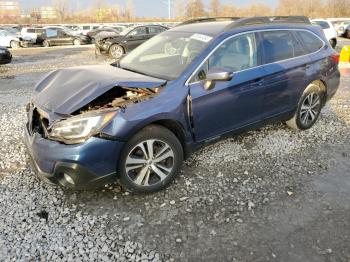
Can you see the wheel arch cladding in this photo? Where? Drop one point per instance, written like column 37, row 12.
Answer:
column 321, row 85
column 172, row 125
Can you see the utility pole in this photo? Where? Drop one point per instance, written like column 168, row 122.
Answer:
column 169, row 8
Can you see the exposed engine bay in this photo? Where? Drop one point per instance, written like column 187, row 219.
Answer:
column 119, row 97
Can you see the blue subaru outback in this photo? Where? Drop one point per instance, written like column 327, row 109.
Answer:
column 136, row 120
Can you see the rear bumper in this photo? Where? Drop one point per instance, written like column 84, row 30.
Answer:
column 84, row 166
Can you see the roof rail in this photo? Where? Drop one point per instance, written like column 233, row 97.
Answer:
column 269, row 20
column 208, row 19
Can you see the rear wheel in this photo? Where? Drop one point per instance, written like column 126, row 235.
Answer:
column 116, row 51
column 347, row 34
column 46, row 43
column 76, row 41
column 150, row 160
column 333, row 43
column 309, row 108
column 14, row 44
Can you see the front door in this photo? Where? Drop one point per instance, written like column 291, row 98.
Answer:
column 233, row 104
column 52, row 36
column 136, row 37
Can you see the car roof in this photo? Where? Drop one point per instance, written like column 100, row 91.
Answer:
column 215, row 26
column 208, row 28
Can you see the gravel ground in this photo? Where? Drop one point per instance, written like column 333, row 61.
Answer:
column 272, row 194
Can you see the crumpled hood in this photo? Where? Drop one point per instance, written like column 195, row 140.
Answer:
column 64, row 91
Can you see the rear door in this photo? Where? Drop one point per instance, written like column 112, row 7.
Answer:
column 233, row 104
column 286, row 70
column 64, row 37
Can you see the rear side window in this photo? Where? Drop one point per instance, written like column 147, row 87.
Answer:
column 86, row 27
column 30, row 30
column 322, row 24
column 280, row 45
column 155, row 30
column 51, row 33
column 311, row 42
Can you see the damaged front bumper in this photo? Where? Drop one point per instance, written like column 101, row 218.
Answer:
column 83, row 166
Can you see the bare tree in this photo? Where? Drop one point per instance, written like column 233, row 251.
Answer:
column 62, row 7
column 195, row 8
column 179, row 9
column 215, row 8
column 129, row 12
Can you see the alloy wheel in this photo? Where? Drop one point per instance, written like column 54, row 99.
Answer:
column 14, row 44
column 149, row 162
column 117, row 51
column 310, row 109
column 76, row 42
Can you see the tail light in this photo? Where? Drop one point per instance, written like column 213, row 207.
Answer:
column 335, row 58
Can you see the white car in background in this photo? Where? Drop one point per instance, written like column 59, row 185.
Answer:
column 328, row 29
column 84, row 29
column 32, row 34
column 9, row 40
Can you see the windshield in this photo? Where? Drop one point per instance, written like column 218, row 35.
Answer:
column 166, row 55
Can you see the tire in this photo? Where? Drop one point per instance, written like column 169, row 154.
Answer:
column 347, row 34
column 14, row 44
column 46, row 43
column 309, row 108
column 76, row 42
column 138, row 171
column 116, row 51
column 333, row 43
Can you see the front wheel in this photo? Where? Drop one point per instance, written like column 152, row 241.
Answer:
column 150, row 160
column 14, row 44
column 309, row 108
column 116, row 51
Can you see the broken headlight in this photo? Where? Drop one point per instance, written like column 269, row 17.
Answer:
column 78, row 129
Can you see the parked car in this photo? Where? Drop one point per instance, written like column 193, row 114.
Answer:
column 136, row 120
column 11, row 30
column 10, row 40
column 35, row 34
column 58, row 36
column 127, row 40
column 84, row 29
column 5, row 56
column 345, row 30
column 341, row 26
column 328, row 29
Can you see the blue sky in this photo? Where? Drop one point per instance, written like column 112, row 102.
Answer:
column 151, row 8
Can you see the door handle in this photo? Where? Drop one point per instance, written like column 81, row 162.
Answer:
column 257, row 83
column 307, row 66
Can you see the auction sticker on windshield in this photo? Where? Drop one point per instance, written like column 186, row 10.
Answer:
column 202, row 38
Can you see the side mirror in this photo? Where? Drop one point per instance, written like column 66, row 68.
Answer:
column 217, row 74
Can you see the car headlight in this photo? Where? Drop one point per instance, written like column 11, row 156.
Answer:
column 2, row 51
column 78, row 129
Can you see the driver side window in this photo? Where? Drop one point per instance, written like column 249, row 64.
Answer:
column 236, row 54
